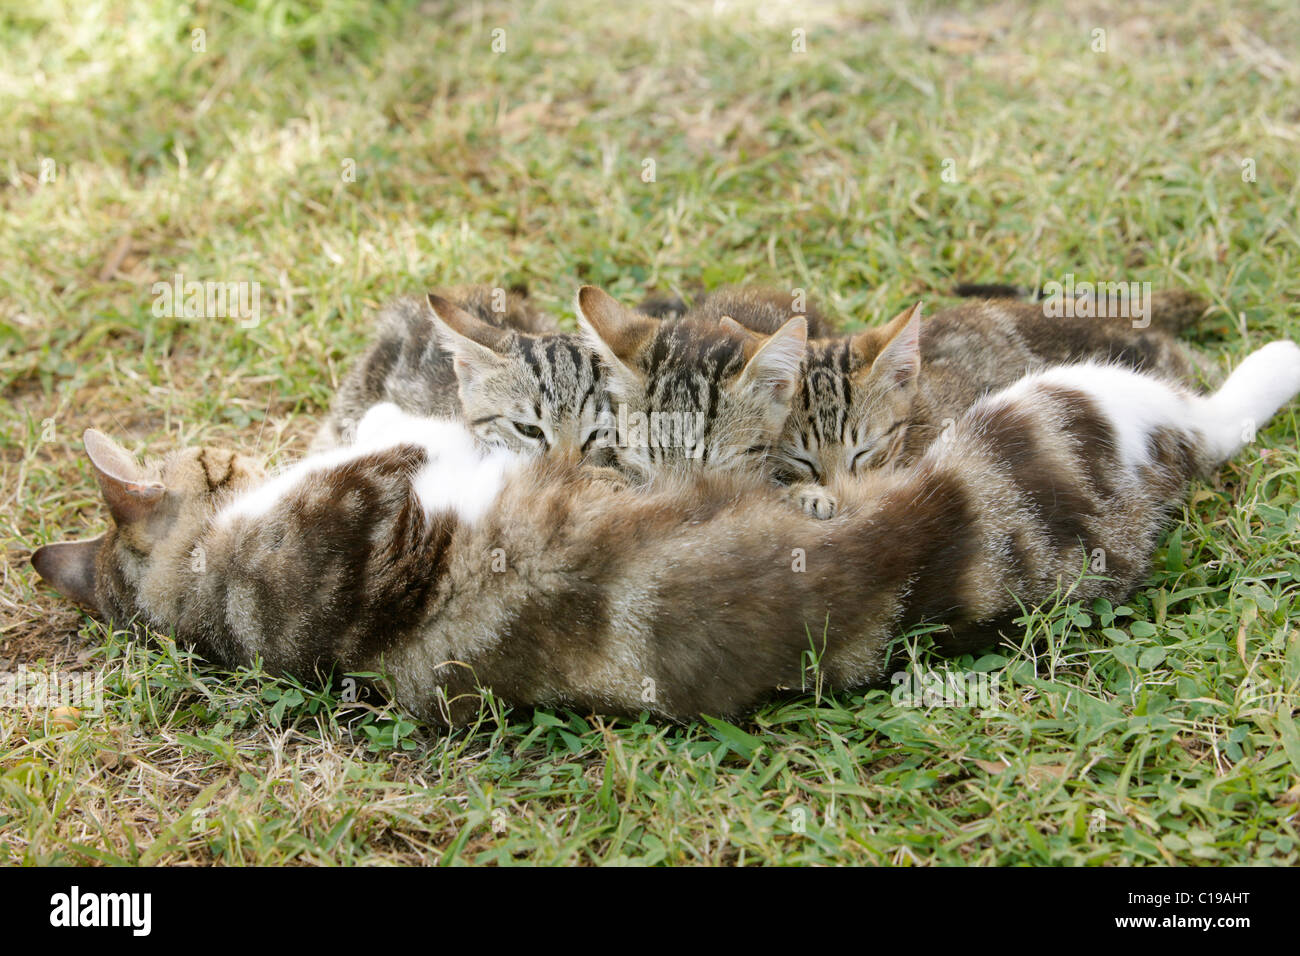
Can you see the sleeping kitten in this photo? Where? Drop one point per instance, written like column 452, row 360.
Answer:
column 419, row 554
column 881, row 396
column 704, row 391
column 518, row 381
column 844, row 404
column 410, row 364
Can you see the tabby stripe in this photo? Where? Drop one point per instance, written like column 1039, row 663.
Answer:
column 1063, row 507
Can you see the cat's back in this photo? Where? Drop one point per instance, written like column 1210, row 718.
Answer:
column 978, row 346
column 503, row 308
column 761, row 309
column 966, row 352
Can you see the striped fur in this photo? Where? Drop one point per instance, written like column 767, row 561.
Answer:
column 876, row 399
column 694, row 596
column 539, row 395
column 1176, row 311
column 516, row 379
column 723, row 391
column 757, row 308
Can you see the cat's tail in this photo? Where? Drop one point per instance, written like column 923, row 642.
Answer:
column 995, row 290
column 1175, row 311
column 1152, row 420
column 1266, row 380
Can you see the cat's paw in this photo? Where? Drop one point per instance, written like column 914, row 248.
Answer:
column 813, row 500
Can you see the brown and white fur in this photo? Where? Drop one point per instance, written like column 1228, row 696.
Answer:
column 879, row 397
column 489, row 358
column 417, row 553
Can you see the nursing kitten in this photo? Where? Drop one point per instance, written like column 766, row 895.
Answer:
column 859, row 402
column 410, row 364
column 418, row 554
column 510, row 374
column 881, row 396
column 699, row 391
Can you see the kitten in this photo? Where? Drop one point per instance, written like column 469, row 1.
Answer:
column 700, row 391
column 410, row 364
column 518, row 381
column 858, row 401
column 419, row 554
column 881, row 396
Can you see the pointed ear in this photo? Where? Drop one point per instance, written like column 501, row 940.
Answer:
column 456, row 319
column 775, row 364
column 69, row 567
column 129, row 494
column 731, row 325
column 616, row 333
column 472, row 342
column 899, row 361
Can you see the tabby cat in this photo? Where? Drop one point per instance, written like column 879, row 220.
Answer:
column 858, row 402
column 711, row 392
column 418, row 553
column 881, row 396
column 489, row 358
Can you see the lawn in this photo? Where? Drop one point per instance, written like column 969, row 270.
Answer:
column 339, row 153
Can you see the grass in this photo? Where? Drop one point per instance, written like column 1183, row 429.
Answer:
column 1159, row 732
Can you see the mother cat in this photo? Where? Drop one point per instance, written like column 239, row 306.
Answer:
column 417, row 553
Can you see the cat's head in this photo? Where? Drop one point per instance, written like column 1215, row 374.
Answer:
column 856, row 403
column 688, row 393
column 534, row 394
column 157, row 512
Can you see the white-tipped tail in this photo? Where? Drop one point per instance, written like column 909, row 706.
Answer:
column 1266, row 380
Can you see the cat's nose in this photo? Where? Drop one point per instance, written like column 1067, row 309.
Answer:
column 567, row 454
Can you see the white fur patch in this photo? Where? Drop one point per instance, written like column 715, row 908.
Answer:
column 1136, row 404
column 458, row 476
column 1265, row 380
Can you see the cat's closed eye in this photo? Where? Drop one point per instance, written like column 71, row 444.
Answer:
column 794, row 463
column 877, row 452
column 806, row 466
column 529, row 431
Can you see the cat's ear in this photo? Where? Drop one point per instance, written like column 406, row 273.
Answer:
column 472, row 342
column 130, row 494
column 731, row 325
column 775, row 364
column 453, row 318
column 616, row 333
column 69, row 568
column 899, row 360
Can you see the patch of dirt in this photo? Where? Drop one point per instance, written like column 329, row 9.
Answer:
column 52, row 637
